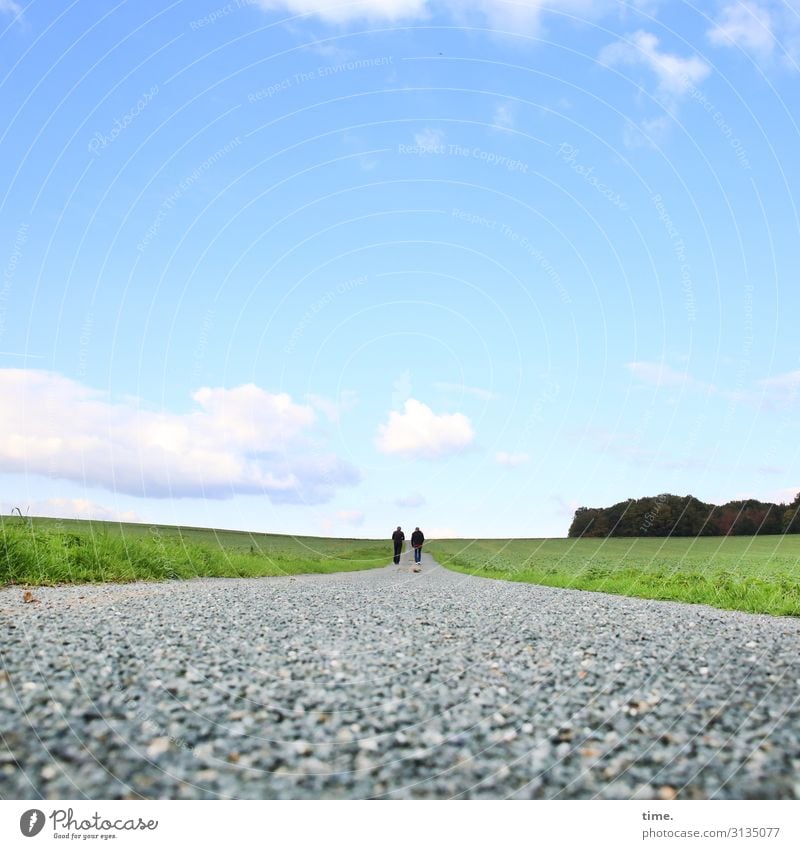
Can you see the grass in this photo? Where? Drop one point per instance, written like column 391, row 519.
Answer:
column 54, row 551
column 754, row 574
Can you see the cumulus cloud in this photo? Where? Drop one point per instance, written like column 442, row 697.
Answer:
column 9, row 7
column 429, row 139
column 745, row 24
column 506, row 459
column 80, row 508
column 515, row 16
column 419, row 432
column 675, row 75
column 762, row 28
column 341, row 11
column 240, row 440
column 503, row 118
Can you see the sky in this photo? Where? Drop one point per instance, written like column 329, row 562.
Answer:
column 311, row 267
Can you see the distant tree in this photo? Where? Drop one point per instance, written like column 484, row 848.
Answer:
column 772, row 522
column 791, row 517
column 745, row 526
column 601, row 526
column 685, row 516
column 582, row 522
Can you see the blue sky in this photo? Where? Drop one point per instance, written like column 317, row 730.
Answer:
column 311, row 267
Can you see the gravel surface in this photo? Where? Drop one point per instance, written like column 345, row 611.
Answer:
column 391, row 683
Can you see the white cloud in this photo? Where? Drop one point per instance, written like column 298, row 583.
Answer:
column 410, row 501
column 419, row 432
column 676, row 75
column 9, row 7
column 503, row 118
column 782, row 390
column 429, row 139
column 240, row 440
column 351, row 517
column 660, row 374
column 789, row 382
column 80, row 508
column 506, row 459
column 744, row 24
column 515, row 16
column 762, row 28
column 341, row 11
column 463, row 389
column 778, row 391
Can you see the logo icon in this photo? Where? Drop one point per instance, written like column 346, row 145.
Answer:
column 31, row 822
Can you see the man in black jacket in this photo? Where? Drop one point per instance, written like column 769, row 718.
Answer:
column 397, row 538
column 417, row 538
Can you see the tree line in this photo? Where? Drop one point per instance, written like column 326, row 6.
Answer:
column 686, row 516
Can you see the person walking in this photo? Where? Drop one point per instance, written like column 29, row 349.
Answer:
column 397, row 538
column 417, row 538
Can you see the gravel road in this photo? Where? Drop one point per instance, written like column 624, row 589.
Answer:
column 391, row 684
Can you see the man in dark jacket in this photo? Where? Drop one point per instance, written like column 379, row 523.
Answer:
column 417, row 538
column 397, row 538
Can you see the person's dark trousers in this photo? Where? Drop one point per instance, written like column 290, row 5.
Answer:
column 398, row 548
column 418, row 554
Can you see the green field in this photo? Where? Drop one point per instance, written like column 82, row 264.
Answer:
column 756, row 574
column 68, row 551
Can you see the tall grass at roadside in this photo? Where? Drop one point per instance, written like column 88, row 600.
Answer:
column 754, row 574
column 36, row 553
